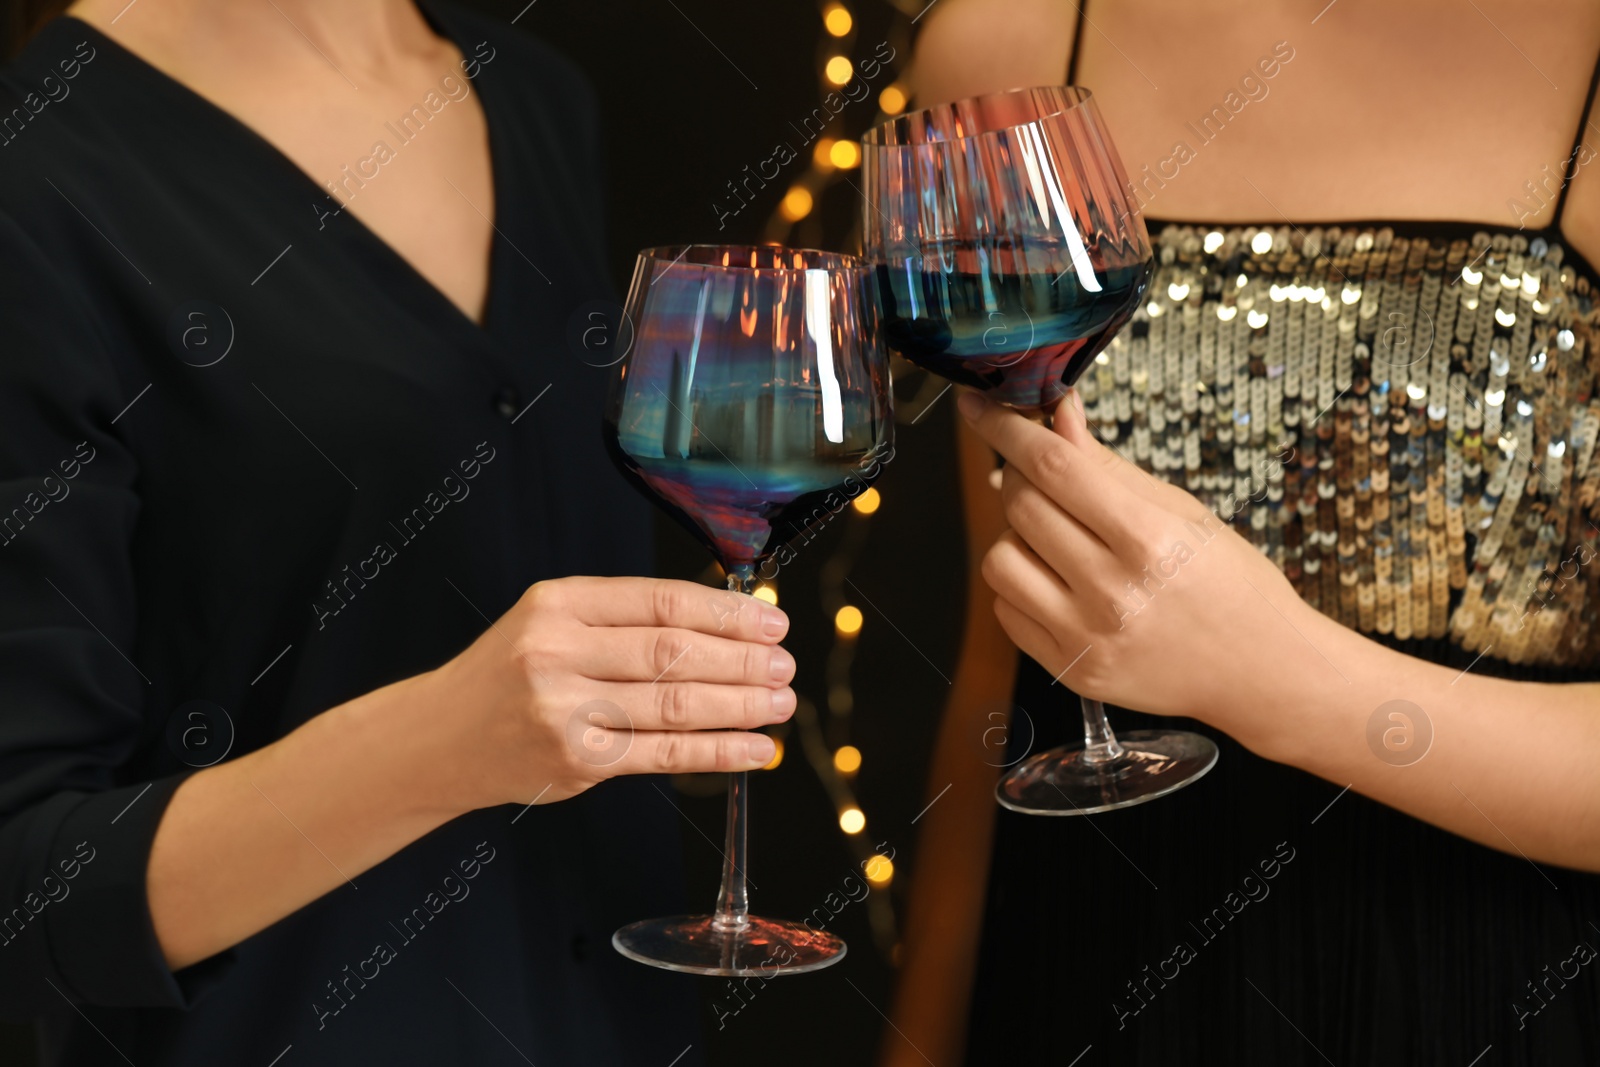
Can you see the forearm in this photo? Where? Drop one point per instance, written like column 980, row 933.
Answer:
column 245, row 843
column 1510, row 765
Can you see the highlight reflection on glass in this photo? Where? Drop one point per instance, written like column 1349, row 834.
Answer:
column 753, row 402
column 1008, row 247
column 1009, row 253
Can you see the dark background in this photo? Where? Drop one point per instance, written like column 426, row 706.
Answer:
column 680, row 122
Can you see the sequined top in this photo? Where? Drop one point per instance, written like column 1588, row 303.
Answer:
column 1404, row 422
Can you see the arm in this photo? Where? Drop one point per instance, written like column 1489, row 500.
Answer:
column 1511, row 764
column 1217, row 632
column 946, row 910
column 229, row 858
column 247, row 842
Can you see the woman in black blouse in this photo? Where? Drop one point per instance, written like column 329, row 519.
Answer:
column 296, row 461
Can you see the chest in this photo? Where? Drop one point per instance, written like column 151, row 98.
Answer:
column 1373, row 110
column 408, row 156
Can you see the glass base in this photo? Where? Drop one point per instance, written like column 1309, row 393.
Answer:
column 765, row 948
column 1061, row 782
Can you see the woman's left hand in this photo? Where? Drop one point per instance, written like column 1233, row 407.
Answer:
column 1126, row 588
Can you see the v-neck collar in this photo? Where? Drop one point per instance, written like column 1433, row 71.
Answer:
column 360, row 232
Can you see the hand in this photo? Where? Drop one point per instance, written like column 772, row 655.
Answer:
column 588, row 678
column 1129, row 585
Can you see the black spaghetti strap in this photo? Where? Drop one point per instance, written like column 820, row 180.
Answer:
column 1077, row 46
column 1571, row 167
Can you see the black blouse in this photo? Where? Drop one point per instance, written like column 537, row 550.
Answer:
column 252, row 464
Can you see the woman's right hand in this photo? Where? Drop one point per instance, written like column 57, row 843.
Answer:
column 588, row 678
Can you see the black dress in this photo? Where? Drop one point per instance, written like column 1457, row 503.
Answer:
column 1403, row 417
column 252, row 465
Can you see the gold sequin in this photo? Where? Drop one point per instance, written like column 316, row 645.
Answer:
column 1406, row 425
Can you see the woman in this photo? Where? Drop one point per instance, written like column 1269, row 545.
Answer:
column 1387, row 428
column 281, row 485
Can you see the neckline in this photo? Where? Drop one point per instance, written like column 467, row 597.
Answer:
column 1441, row 229
column 316, row 193
column 1436, row 227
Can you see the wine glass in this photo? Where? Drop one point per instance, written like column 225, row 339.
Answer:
column 1009, row 250
column 753, row 402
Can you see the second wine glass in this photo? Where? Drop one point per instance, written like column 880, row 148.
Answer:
column 1009, row 252
column 752, row 403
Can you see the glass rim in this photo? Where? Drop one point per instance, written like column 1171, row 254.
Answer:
column 875, row 137
column 687, row 255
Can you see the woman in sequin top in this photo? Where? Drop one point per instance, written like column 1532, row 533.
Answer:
column 1360, row 457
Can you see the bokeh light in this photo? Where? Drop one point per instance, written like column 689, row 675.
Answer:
column 796, row 203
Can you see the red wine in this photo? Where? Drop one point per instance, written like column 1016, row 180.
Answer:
column 745, row 511
column 1023, row 338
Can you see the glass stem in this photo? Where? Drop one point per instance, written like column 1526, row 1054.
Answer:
column 1099, row 743
column 733, row 899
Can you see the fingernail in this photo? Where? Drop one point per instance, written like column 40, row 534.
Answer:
column 782, row 665
column 774, row 623
column 783, row 703
column 759, row 750
column 1077, row 401
column 971, row 405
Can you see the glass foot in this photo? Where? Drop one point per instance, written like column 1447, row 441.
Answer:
column 1062, row 782
column 764, row 947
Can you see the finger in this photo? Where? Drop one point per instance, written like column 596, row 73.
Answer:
column 699, row 705
column 1028, row 635
column 1072, row 425
column 1083, row 488
column 665, row 602
column 1059, row 539
column 647, row 654
column 691, row 752
column 1070, row 421
column 1016, row 574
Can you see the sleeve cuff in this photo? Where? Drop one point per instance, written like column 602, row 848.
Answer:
column 102, row 939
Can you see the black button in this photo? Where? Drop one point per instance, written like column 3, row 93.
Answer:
column 506, row 401
column 580, row 947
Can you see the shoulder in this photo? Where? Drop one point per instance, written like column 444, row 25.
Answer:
column 63, row 166
column 970, row 47
column 46, row 134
